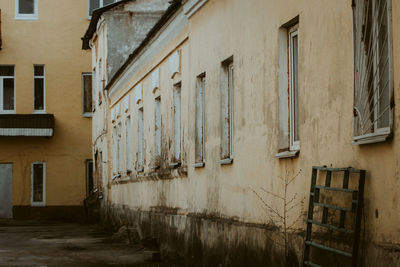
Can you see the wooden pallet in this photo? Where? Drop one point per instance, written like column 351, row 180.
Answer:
column 356, row 208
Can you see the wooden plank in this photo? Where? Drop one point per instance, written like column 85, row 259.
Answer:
column 309, row 263
column 333, row 250
column 327, row 184
column 327, row 206
column 306, row 254
column 335, row 189
column 343, row 230
column 324, row 168
column 357, row 228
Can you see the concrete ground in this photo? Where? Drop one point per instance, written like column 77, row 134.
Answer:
column 35, row 243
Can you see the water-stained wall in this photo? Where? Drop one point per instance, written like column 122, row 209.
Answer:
column 203, row 201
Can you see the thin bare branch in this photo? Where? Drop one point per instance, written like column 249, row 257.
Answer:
column 294, row 177
column 272, row 193
column 299, row 218
column 294, row 206
column 291, row 200
column 267, row 205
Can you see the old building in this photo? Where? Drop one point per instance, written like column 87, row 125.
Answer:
column 113, row 33
column 45, row 111
column 211, row 126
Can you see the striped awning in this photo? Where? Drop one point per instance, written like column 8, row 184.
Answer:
column 27, row 125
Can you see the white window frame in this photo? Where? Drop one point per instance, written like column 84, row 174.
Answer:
column 101, row 4
column 128, row 146
column 41, row 203
column 33, row 16
column 114, row 136
column 177, row 109
column 86, row 114
column 141, row 150
column 94, row 90
column 294, row 144
column 200, row 121
column 383, row 133
column 157, row 131
column 2, row 111
column 227, row 90
column 39, row 111
column 119, row 146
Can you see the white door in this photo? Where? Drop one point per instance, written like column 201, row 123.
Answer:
column 6, row 190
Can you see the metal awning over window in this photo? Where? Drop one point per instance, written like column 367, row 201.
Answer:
column 27, row 125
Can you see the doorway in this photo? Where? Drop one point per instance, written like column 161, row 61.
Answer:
column 6, row 190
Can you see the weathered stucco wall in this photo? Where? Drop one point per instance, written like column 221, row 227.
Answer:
column 53, row 41
column 130, row 24
column 248, row 30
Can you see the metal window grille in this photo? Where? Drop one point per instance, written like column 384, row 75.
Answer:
column 373, row 72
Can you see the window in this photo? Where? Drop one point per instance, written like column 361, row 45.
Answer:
column 87, row 94
column 26, row 9
column 94, row 89
column 7, row 89
column 128, row 144
column 119, row 147
column 288, row 90
column 38, row 184
column 89, row 176
column 177, row 123
column 373, row 79
column 293, row 88
column 199, row 139
column 140, row 163
column 114, row 135
column 227, row 111
column 94, row 4
column 39, row 89
column 157, row 131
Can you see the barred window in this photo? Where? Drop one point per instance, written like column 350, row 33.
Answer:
column 373, row 78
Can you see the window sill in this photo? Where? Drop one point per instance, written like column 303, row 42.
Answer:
column 24, row 17
column 287, row 154
column 38, row 204
column 371, row 138
column 87, row 115
column 174, row 165
column 199, row 164
column 115, row 176
column 39, row 112
column 225, row 161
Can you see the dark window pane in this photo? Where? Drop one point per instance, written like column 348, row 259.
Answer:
column 39, row 94
column 37, row 183
column 6, row 70
column 26, row 7
column 8, row 94
column 107, row 2
column 93, row 4
column 87, row 93
column 295, row 89
column 89, row 177
column 38, row 70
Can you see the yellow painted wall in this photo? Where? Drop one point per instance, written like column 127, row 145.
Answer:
column 52, row 40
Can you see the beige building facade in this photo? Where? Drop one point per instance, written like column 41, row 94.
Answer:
column 215, row 120
column 45, row 115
